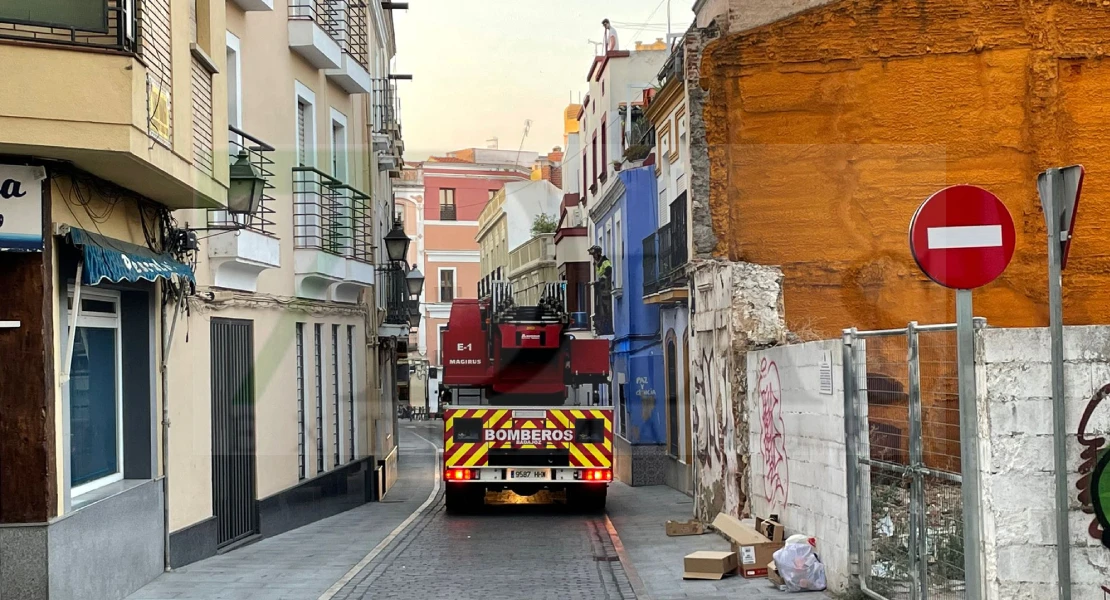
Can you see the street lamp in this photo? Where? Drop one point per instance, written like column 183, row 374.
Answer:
column 415, row 282
column 247, row 185
column 396, row 244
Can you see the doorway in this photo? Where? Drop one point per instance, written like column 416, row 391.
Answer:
column 233, row 446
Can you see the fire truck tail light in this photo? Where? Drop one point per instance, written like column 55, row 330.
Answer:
column 597, row 475
column 460, row 474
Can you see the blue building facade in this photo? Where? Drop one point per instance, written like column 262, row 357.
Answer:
column 629, row 215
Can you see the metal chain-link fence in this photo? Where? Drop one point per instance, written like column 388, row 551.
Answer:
column 904, row 461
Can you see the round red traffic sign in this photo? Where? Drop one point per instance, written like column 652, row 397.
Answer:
column 962, row 237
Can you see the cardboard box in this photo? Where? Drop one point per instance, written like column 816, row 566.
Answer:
column 773, row 575
column 706, row 564
column 692, row 527
column 754, row 546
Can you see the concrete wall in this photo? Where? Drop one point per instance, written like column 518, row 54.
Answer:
column 883, row 103
column 1014, row 393
column 798, row 449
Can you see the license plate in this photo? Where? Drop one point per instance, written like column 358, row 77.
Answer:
column 534, row 474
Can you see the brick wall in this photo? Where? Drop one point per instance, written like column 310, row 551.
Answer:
column 796, row 439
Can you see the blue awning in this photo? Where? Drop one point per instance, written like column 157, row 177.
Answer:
column 116, row 261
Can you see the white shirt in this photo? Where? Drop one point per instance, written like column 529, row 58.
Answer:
column 611, row 41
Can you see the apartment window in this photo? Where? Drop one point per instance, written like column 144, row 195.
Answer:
column 439, row 343
column 336, row 411
column 446, row 284
column 447, row 205
column 338, row 145
column 595, row 158
column 399, row 215
column 318, row 354
column 604, row 145
column 234, row 86
column 618, row 252
column 585, row 173
column 306, row 130
column 350, row 393
column 96, row 392
column 301, row 432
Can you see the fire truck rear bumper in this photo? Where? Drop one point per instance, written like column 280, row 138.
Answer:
column 529, row 475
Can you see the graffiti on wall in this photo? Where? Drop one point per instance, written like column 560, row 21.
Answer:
column 719, row 474
column 776, row 480
column 1094, row 480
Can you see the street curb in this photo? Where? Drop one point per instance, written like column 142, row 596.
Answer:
column 626, row 562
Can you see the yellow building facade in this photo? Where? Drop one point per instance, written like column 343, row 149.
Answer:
column 132, row 298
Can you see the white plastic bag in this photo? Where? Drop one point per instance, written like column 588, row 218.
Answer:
column 799, row 567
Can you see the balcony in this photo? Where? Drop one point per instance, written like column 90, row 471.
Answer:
column 254, row 5
column 536, row 253
column 238, row 258
column 333, row 257
column 385, row 126
column 350, row 30
column 447, row 212
column 665, row 258
column 314, row 28
column 76, row 90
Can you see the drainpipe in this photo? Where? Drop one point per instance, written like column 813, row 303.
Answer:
column 167, row 341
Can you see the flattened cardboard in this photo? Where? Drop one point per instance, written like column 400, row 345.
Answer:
column 706, row 564
column 773, row 575
column 754, row 549
column 680, row 528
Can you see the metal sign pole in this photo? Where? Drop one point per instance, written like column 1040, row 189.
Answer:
column 969, row 444
column 1056, row 330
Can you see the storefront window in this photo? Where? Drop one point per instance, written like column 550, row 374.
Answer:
column 95, row 400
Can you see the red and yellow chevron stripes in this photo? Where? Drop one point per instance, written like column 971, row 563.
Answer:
column 592, row 455
column 476, row 454
column 472, row 454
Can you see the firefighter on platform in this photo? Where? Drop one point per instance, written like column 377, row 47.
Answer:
column 603, row 287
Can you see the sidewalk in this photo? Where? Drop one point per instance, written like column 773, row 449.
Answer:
column 639, row 514
column 305, row 562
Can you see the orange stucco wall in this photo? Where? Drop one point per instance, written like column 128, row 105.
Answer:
column 828, row 129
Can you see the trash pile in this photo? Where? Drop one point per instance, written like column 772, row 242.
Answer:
column 757, row 551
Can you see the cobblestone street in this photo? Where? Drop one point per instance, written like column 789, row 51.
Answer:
column 406, row 547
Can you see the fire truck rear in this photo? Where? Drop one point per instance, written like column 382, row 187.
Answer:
column 509, row 369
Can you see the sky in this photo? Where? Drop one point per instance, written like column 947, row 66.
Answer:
column 480, row 73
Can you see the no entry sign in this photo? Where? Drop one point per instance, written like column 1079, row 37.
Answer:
column 962, row 237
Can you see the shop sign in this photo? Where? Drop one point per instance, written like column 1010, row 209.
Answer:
column 21, row 208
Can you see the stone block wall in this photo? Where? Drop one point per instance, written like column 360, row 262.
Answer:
column 1016, row 444
column 797, row 447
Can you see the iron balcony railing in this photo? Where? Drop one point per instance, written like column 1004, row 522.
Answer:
column 447, row 212
column 665, row 252
column 121, row 29
column 396, row 296
column 328, row 14
column 257, row 152
column 343, row 20
column 330, row 215
column 675, row 67
column 650, row 265
column 385, row 107
column 355, row 40
column 678, row 253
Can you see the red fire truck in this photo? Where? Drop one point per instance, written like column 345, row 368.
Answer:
column 511, row 424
